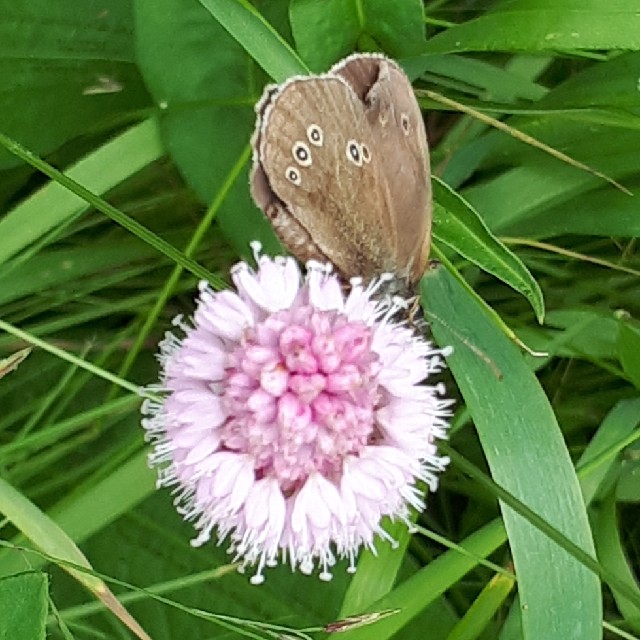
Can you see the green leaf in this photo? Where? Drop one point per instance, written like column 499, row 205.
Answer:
column 87, row 512
column 377, row 573
column 583, row 214
column 612, row 554
column 257, row 37
column 336, row 23
column 591, row 333
column 67, row 68
column 23, row 606
column 208, row 86
column 483, row 609
column 457, row 225
column 475, row 76
column 43, row 532
column 427, row 585
column 600, row 460
column 539, row 182
column 528, row 457
column 81, row 192
column 395, row 27
column 628, row 488
column 605, row 84
column 629, row 349
column 546, row 25
column 49, row 270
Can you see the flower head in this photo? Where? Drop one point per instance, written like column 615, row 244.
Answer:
column 293, row 417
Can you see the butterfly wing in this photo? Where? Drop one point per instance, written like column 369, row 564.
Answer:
column 336, row 175
column 398, row 128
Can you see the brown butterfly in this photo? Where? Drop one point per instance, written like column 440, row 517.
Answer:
column 341, row 169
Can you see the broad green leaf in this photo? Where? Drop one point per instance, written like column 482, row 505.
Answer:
column 525, row 192
column 395, row 28
column 629, row 350
column 592, row 332
column 496, row 82
column 628, row 489
column 23, row 606
column 601, row 212
column 43, row 532
column 337, row 23
column 377, row 573
column 207, row 86
column 66, row 69
column 541, row 196
column 546, row 25
column 528, row 457
column 457, row 225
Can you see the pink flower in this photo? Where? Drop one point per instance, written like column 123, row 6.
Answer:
column 292, row 417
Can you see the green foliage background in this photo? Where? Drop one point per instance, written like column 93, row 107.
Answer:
column 147, row 108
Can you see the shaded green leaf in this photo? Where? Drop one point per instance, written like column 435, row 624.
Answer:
column 65, row 69
column 629, row 349
column 612, row 555
column 395, row 27
column 600, row 461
